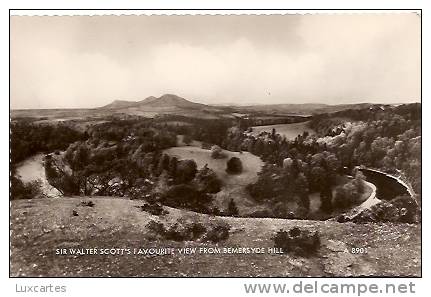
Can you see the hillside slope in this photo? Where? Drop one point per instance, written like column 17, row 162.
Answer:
column 40, row 226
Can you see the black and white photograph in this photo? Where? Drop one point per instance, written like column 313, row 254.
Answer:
column 216, row 145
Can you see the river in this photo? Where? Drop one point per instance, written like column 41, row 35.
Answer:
column 32, row 169
column 388, row 186
column 385, row 187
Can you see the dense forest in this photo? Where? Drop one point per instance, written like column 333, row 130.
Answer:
column 28, row 139
column 124, row 157
column 385, row 138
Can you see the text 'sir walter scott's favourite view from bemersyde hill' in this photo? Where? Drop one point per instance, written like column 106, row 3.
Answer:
column 215, row 146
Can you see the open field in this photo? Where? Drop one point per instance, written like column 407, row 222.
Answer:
column 233, row 185
column 290, row 131
column 42, row 225
column 251, row 163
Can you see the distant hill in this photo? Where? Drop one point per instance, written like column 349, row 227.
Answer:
column 173, row 104
column 170, row 104
column 165, row 101
column 118, row 104
column 166, row 104
column 300, row 109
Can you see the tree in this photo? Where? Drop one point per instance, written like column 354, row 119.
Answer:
column 359, row 182
column 266, row 187
column 326, row 196
column 81, row 157
column 348, row 194
column 273, row 133
column 186, row 171
column 317, row 177
column 340, row 198
column 408, row 208
column 232, row 209
column 217, row 152
column 64, row 182
column 20, row 190
column 172, row 168
column 28, row 139
column 163, row 164
column 187, row 139
column 188, row 197
column 207, row 180
column 301, row 189
column 234, row 166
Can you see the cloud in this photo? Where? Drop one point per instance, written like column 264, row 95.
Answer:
column 88, row 62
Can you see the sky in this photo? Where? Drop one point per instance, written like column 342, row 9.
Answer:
column 89, row 61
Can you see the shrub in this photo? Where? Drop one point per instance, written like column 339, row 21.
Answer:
column 301, row 213
column 66, row 183
column 187, row 197
column 87, row 203
column 297, row 241
column 402, row 209
column 186, row 171
column 156, row 227
column 154, row 209
column 196, row 230
column 218, row 232
column 343, row 218
column 384, row 211
column 215, row 211
column 267, row 186
column 326, row 199
column 280, row 210
column 207, row 181
column 141, row 190
column 263, row 213
column 348, row 194
column 187, row 139
column 364, row 216
column 181, row 230
column 234, row 166
column 290, row 215
column 408, row 208
column 232, row 209
column 20, row 190
column 217, row 152
column 205, row 145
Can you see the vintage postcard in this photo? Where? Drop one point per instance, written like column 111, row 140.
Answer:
column 216, row 145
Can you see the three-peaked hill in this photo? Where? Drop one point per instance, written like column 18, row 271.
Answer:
column 170, row 104
column 167, row 100
column 166, row 104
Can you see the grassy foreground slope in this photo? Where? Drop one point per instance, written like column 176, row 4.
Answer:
column 40, row 226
